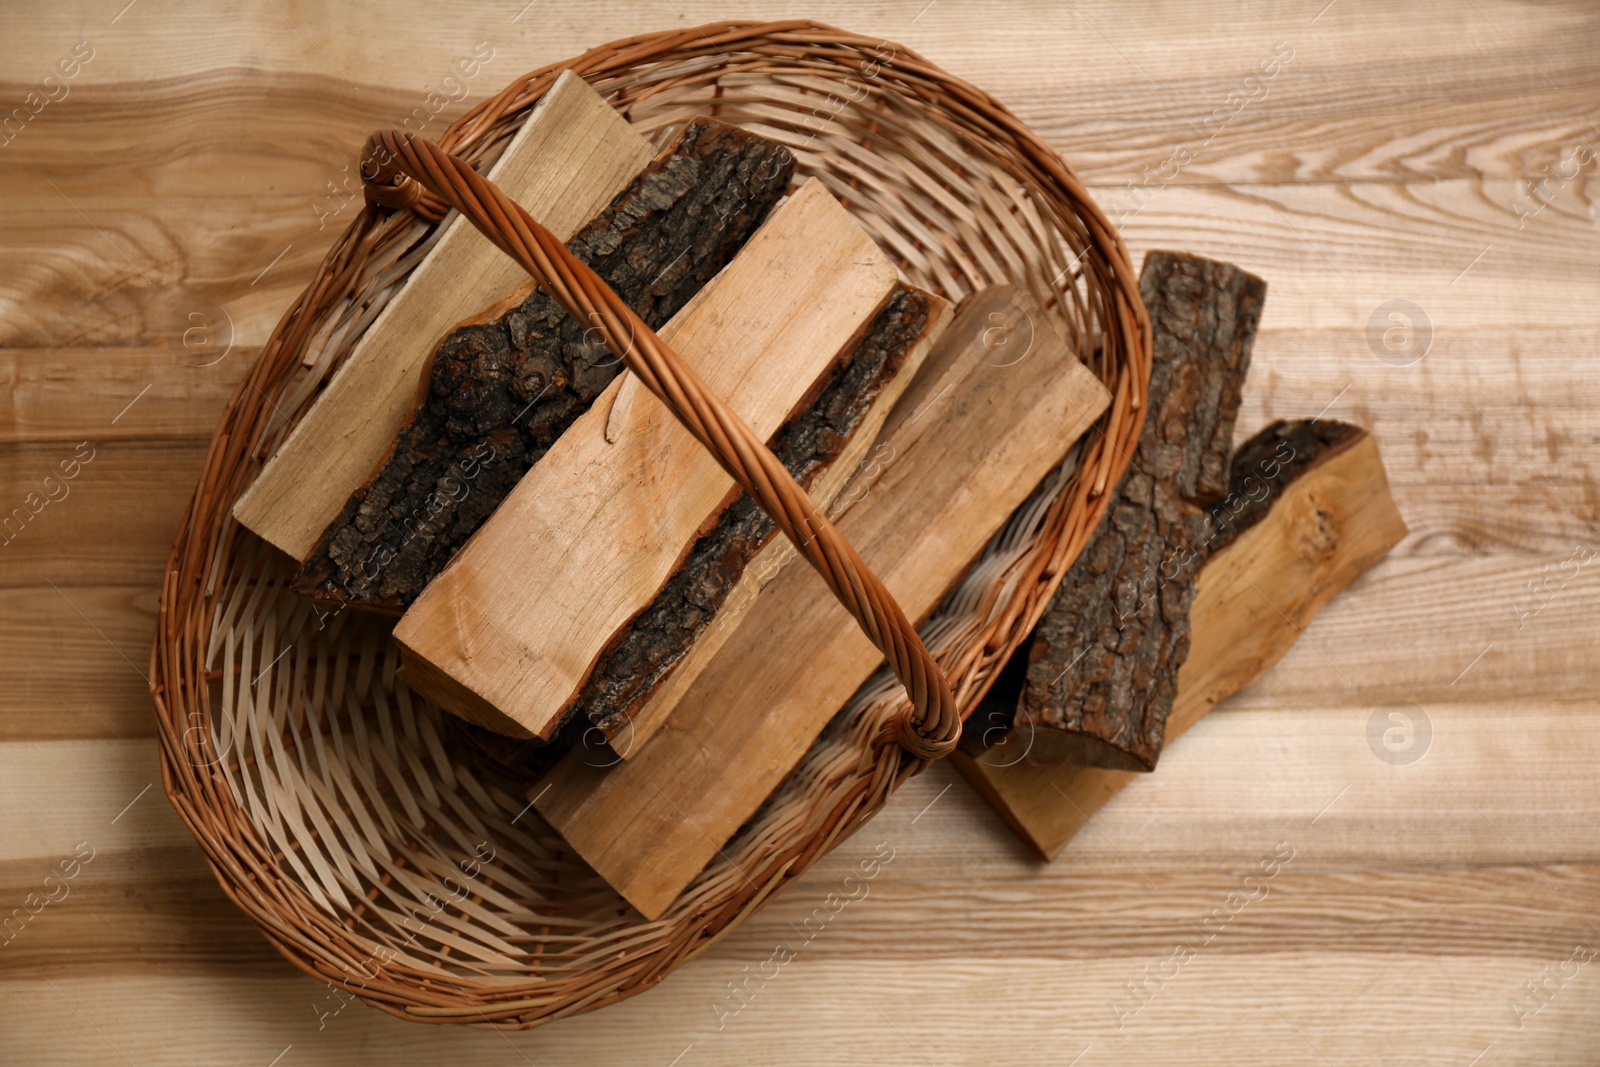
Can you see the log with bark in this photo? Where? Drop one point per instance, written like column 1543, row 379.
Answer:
column 1308, row 512
column 510, row 631
column 821, row 447
column 504, row 386
column 573, row 154
column 967, row 443
column 1104, row 660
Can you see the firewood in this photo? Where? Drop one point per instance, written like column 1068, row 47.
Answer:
column 503, row 387
column 573, row 154
column 1105, row 656
column 964, row 450
column 821, row 447
column 1309, row 512
column 508, row 633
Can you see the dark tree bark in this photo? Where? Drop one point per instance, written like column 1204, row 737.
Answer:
column 501, row 390
column 1104, row 660
column 652, row 644
column 1265, row 465
column 1260, row 471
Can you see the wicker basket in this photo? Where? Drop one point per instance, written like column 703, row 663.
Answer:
column 387, row 848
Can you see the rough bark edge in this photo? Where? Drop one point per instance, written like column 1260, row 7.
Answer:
column 1104, row 660
column 1263, row 467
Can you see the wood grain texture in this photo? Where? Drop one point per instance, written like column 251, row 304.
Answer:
column 962, row 461
column 1453, row 918
column 184, row 173
column 510, row 630
column 572, row 155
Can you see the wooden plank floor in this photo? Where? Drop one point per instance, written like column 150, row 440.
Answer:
column 1437, row 912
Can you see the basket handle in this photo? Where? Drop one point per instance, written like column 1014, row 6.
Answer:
column 402, row 171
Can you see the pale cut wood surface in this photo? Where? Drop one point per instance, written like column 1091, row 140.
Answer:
column 571, row 157
column 961, row 462
column 184, row 175
column 1253, row 600
column 858, row 454
column 508, row 632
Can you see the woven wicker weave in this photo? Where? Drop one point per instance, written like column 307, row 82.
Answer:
column 386, row 847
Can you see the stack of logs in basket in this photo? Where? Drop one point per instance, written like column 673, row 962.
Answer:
column 569, row 566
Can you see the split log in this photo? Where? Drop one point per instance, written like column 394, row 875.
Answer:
column 1104, row 660
column 507, row 635
column 966, row 449
column 572, row 155
column 503, row 387
column 1309, row 512
column 821, row 447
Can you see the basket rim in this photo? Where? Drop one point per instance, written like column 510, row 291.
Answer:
column 240, row 861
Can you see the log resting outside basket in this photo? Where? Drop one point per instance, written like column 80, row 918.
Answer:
column 1103, row 665
column 1260, row 471
column 1308, row 512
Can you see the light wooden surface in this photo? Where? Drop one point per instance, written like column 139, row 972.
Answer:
column 184, row 174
